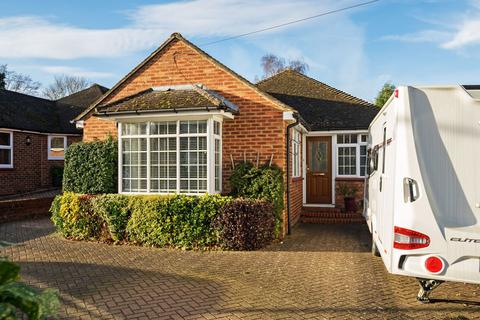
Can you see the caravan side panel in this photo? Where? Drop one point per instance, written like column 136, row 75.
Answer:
column 439, row 142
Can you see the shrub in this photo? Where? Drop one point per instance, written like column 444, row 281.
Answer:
column 265, row 183
column 246, row 224
column 91, row 168
column 150, row 223
column 18, row 299
column 74, row 217
column 177, row 220
column 114, row 210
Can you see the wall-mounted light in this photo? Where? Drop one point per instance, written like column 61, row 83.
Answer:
column 28, row 141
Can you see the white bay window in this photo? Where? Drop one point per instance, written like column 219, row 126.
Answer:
column 182, row 156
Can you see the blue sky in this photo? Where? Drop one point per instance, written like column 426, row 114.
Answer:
column 402, row 41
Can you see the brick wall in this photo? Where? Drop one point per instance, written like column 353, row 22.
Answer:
column 358, row 183
column 258, row 129
column 31, row 167
column 12, row 210
column 96, row 128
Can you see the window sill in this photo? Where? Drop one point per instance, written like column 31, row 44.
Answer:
column 349, row 178
column 56, row 159
column 7, row 168
column 297, row 179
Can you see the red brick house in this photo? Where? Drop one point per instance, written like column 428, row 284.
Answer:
column 34, row 134
column 182, row 117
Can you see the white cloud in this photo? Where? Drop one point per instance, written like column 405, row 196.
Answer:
column 34, row 37
column 422, row 36
column 226, row 17
column 38, row 37
column 74, row 71
column 467, row 34
column 455, row 31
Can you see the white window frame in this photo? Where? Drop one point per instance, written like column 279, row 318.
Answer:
column 215, row 138
column 210, row 135
column 50, row 137
column 296, row 154
column 9, row 147
column 357, row 154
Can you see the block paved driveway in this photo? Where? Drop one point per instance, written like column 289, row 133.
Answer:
column 320, row 272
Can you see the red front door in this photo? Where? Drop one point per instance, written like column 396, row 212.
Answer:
column 319, row 170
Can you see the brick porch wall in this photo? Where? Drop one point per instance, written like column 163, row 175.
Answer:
column 296, row 186
column 358, row 183
column 31, row 167
column 296, row 200
column 258, row 128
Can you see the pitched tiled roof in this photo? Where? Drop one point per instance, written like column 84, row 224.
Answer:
column 321, row 106
column 86, row 97
column 24, row 112
column 174, row 98
column 178, row 37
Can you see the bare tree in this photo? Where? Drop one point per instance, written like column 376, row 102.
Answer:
column 298, row 65
column 3, row 84
column 18, row 82
column 65, row 85
column 272, row 64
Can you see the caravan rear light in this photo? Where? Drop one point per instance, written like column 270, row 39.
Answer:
column 406, row 239
column 396, row 93
column 434, row 264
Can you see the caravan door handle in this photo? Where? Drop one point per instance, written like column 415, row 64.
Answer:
column 411, row 191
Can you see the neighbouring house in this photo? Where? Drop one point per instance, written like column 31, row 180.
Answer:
column 182, row 118
column 34, row 134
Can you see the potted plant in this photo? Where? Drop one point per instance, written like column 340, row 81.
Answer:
column 348, row 193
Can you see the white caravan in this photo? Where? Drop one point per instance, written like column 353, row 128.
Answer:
column 422, row 197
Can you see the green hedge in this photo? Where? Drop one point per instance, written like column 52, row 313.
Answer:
column 177, row 220
column 264, row 183
column 91, row 168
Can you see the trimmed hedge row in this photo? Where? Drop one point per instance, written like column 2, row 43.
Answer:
column 91, row 168
column 177, row 220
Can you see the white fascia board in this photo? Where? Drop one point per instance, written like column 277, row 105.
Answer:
column 332, row 132
column 79, row 124
column 288, row 116
column 162, row 116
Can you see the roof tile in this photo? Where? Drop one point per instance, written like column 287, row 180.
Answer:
column 321, row 106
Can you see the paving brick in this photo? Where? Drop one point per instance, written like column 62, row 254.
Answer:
column 320, row 272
